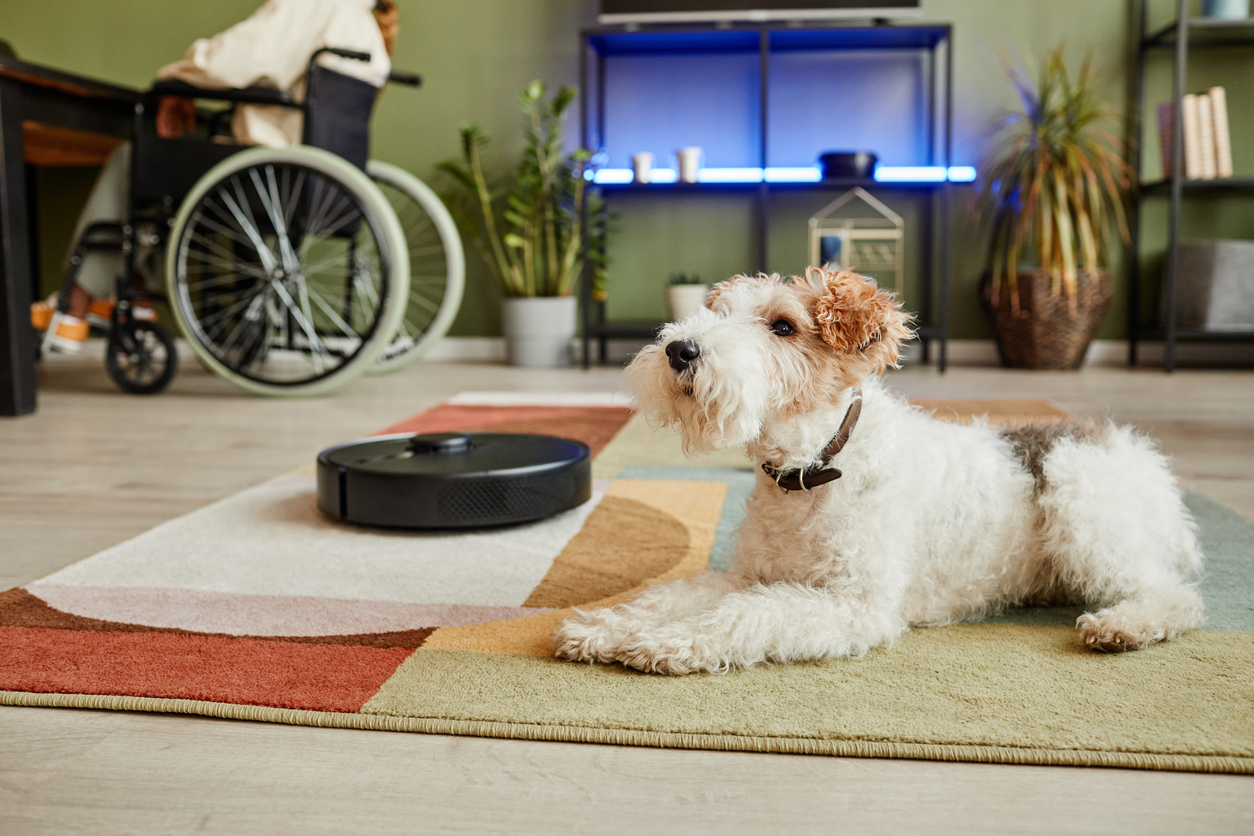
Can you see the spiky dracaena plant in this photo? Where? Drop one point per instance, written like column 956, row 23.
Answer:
column 1053, row 179
column 531, row 235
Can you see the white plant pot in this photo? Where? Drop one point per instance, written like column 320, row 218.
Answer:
column 684, row 299
column 538, row 330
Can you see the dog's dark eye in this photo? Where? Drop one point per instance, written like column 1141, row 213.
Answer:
column 782, row 328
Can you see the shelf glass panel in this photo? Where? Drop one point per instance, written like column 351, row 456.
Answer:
column 660, row 103
column 853, row 100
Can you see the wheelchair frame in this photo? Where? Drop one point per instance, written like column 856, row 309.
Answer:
column 328, row 95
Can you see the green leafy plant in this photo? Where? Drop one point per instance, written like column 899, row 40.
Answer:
column 685, row 278
column 531, row 234
column 1053, row 179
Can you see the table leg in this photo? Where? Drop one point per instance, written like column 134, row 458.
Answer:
column 17, row 338
column 32, row 231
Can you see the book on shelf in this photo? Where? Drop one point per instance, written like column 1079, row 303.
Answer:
column 1166, row 138
column 1192, row 138
column 1223, row 139
column 1207, row 141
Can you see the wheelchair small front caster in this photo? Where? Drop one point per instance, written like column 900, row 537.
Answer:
column 141, row 357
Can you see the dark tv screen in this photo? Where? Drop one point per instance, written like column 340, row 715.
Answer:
column 642, row 11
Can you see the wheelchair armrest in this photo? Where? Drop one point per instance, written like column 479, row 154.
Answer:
column 247, row 95
column 343, row 53
column 411, row 79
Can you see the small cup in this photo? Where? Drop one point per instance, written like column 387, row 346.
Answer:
column 641, row 166
column 1226, row 9
column 689, row 160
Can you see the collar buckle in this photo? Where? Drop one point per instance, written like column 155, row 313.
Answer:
column 806, row 479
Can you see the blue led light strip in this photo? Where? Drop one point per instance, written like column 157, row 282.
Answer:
column 806, row 174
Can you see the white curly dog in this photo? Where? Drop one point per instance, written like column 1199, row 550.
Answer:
column 869, row 516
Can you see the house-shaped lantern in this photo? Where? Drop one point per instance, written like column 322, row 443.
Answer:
column 874, row 245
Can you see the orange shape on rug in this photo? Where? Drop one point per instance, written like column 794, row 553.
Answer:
column 600, row 561
column 693, row 506
column 595, row 426
column 999, row 411
column 168, row 666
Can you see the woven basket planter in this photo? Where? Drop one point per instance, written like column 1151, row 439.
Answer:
column 1046, row 333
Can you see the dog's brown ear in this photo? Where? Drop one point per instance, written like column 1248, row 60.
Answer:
column 855, row 315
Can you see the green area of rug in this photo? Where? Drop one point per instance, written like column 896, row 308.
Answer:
column 999, row 686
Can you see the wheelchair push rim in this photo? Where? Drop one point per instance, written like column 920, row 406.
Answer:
column 288, row 270
column 437, row 265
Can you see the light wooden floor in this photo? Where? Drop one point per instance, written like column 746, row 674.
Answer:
column 94, row 467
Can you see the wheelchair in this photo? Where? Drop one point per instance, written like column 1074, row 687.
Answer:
column 290, row 271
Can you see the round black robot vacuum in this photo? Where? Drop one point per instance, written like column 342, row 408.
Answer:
column 453, row 480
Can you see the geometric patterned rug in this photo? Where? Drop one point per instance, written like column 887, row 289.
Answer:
column 259, row 608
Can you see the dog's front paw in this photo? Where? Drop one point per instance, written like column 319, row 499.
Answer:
column 586, row 637
column 670, row 654
column 1107, row 632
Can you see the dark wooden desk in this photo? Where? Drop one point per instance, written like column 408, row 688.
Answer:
column 47, row 117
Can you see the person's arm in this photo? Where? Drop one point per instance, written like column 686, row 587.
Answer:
column 241, row 56
column 272, row 47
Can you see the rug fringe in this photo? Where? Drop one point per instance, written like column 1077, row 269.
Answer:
column 633, row 737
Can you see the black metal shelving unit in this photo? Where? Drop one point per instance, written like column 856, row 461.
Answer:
column 1181, row 35
column 936, row 40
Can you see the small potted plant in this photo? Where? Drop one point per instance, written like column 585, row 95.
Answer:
column 1053, row 179
column 685, row 294
column 532, row 234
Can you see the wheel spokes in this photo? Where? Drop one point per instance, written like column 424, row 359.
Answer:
column 281, row 275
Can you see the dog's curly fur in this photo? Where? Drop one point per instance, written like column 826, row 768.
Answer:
column 931, row 523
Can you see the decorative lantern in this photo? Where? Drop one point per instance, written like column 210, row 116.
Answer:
column 873, row 245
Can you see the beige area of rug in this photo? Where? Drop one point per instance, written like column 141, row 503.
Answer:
column 423, row 636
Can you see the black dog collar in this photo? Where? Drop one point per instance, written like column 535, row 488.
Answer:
column 806, row 479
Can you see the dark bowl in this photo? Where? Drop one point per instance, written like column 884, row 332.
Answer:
column 851, row 164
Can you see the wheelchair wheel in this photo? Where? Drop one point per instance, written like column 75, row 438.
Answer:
column 287, row 270
column 141, row 357
column 437, row 265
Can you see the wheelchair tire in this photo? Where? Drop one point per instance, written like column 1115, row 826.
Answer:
column 287, row 270
column 437, row 265
column 141, row 357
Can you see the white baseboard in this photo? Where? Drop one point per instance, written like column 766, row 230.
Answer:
column 467, row 350
column 1104, row 353
column 492, row 350
column 961, row 352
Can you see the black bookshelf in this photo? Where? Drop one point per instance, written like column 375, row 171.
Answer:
column 1180, row 36
column 935, row 41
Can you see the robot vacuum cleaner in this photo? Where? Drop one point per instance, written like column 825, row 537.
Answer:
column 453, row 480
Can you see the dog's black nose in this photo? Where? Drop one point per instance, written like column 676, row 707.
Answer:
column 682, row 353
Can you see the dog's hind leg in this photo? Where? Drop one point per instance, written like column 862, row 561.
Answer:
column 1119, row 537
column 1147, row 616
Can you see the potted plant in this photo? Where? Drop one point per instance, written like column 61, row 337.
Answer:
column 532, row 234
column 1054, row 180
column 685, row 294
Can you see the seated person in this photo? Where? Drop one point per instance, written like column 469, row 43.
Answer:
column 270, row 49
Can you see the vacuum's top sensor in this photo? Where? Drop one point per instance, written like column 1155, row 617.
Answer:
column 453, row 480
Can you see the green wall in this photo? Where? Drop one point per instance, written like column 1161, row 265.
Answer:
column 476, row 54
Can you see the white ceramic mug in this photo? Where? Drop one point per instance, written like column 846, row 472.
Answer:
column 641, row 166
column 689, row 160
